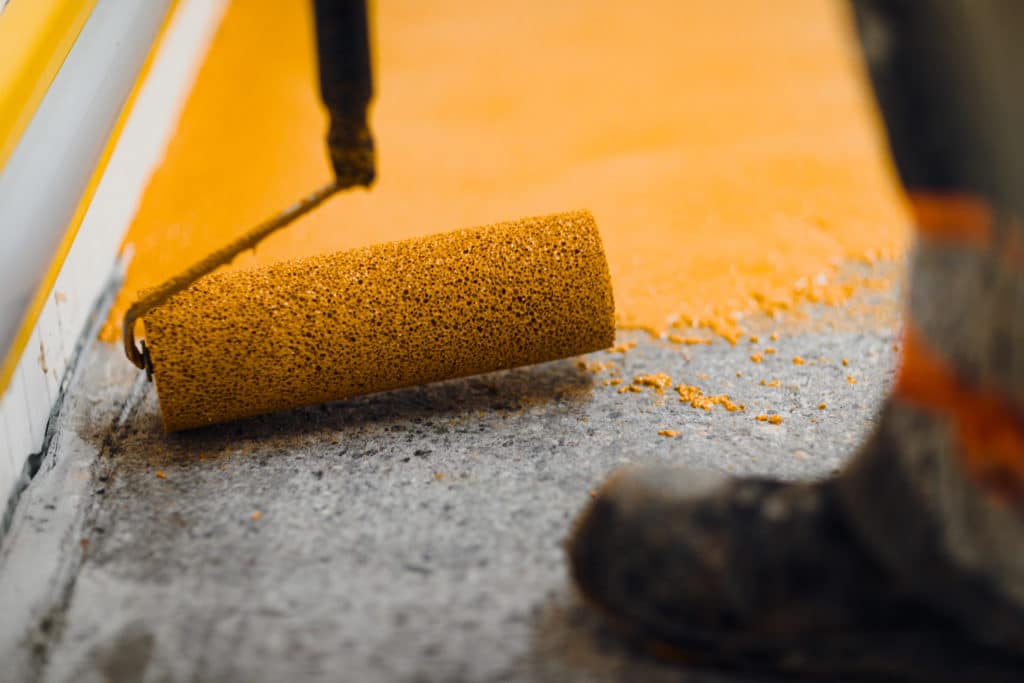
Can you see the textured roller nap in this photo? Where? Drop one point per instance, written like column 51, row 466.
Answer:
column 241, row 343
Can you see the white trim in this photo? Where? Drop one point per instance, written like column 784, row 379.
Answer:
column 28, row 401
column 43, row 181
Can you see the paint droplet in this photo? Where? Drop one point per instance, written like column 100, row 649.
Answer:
column 797, row 360
column 851, row 379
column 822, row 406
column 670, row 433
column 769, row 351
column 690, row 341
column 845, row 362
column 161, row 475
column 256, row 516
column 757, row 358
column 696, row 398
column 659, row 381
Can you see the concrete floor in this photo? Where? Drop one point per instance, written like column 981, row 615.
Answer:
column 409, row 536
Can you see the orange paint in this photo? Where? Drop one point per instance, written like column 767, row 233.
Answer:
column 697, row 399
column 690, row 341
column 658, row 381
column 988, row 428
column 728, row 150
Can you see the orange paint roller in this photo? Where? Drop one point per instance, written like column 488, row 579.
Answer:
column 242, row 343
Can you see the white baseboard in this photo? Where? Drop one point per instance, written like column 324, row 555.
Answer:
column 36, row 385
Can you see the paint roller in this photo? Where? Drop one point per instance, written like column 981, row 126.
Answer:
column 241, row 343
column 228, row 345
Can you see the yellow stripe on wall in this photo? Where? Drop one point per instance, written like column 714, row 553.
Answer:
column 10, row 362
column 35, row 37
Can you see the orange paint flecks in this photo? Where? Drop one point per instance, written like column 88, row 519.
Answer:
column 697, row 399
column 670, row 433
column 659, row 381
column 691, row 341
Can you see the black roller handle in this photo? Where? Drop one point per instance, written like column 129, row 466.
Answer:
column 346, row 87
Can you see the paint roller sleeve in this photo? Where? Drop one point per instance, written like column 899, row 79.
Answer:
column 243, row 343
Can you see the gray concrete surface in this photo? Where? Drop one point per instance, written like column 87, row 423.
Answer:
column 409, row 536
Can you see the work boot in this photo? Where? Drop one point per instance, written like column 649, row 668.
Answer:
column 910, row 564
column 762, row 576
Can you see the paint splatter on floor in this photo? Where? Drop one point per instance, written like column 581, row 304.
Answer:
column 728, row 150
